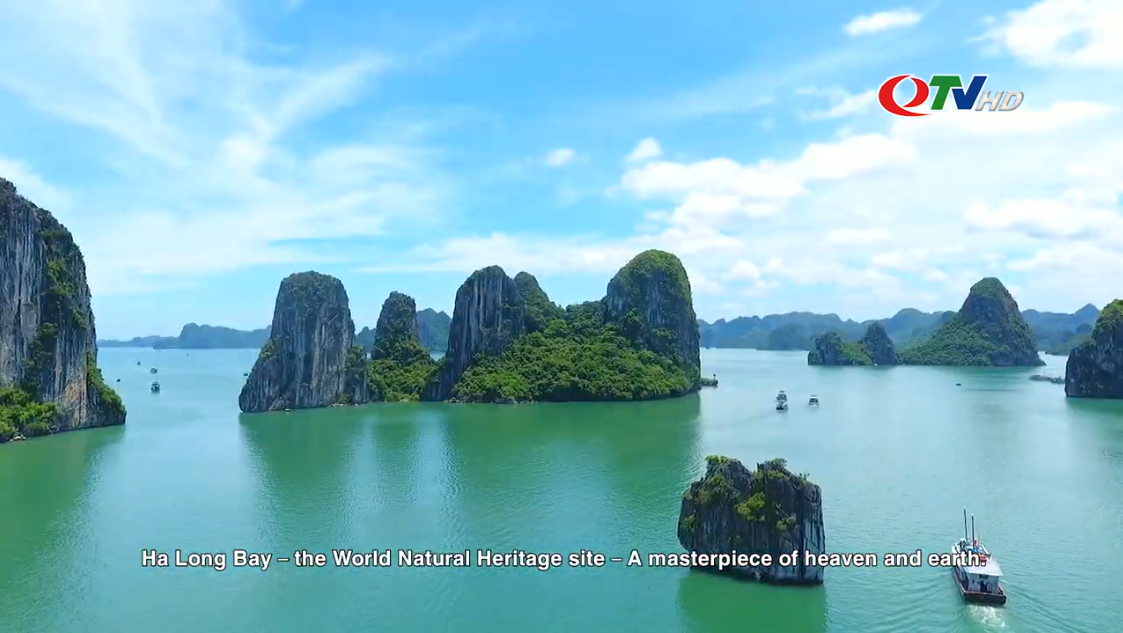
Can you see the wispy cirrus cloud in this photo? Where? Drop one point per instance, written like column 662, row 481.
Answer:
column 1063, row 33
column 882, row 21
column 202, row 136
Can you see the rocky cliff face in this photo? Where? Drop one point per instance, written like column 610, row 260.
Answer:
column 768, row 511
column 988, row 331
column 489, row 314
column 650, row 300
column 877, row 345
column 310, row 359
column 48, row 352
column 830, row 349
column 1095, row 367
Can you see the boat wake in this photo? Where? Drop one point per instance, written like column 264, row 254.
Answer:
column 989, row 617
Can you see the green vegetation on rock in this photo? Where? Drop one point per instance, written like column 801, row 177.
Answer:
column 759, row 506
column 432, row 329
column 830, row 349
column 21, row 415
column 650, row 302
column 640, row 342
column 989, row 330
column 1109, row 320
column 763, row 497
column 539, row 309
column 400, row 368
column 105, row 395
column 1093, row 367
column 572, row 359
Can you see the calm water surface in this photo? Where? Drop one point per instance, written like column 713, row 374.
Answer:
column 898, row 452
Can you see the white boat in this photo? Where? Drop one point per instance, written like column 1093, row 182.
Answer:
column 814, row 401
column 782, row 401
column 976, row 571
column 155, row 387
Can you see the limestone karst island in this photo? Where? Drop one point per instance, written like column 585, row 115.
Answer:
column 564, row 317
column 507, row 343
column 49, row 375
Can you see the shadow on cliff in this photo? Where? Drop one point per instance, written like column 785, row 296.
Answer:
column 302, row 459
column 711, row 602
column 47, row 505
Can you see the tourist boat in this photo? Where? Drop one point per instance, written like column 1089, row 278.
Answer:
column 814, row 401
column 156, row 387
column 979, row 577
column 782, row 402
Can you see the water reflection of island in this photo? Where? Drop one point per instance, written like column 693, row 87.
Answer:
column 710, row 602
column 50, row 522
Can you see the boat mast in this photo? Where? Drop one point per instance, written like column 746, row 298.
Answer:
column 965, row 522
column 972, row 528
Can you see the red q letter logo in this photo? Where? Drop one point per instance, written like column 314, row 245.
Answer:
column 885, row 96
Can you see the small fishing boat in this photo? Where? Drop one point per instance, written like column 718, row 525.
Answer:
column 781, row 401
column 152, row 371
column 156, row 387
column 814, row 401
column 976, row 572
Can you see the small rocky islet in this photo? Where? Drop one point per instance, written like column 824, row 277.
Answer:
column 507, row 343
column 767, row 511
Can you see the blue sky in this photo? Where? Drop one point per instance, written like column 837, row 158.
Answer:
column 200, row 153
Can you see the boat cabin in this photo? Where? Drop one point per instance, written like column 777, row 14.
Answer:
column 979, row 575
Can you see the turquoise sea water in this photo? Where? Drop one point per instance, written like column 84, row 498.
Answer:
column 898, row 452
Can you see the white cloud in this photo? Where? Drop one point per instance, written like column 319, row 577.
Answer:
column 910, row 259
column 744, row 269
column 700, row 284
column 857, row 236
column 31, row 186
column 646, row 149
column 202, row 132
column 843, row 104
column 560, row 157
column 1048, row 219
column 717, row 176
column 1063, row 33
column 877, row 22
column 907, row 218
column 1072, row 258
column 726, row 179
